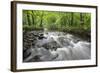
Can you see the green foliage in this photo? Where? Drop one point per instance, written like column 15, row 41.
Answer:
column 53, row 20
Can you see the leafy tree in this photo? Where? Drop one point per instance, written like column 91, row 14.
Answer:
column 56, row 20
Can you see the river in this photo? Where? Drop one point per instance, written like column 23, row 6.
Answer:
column 58, row 46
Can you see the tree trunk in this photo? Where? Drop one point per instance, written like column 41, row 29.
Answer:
column 41, row 21
column 81, row 19
column 72, row 14
column 28, row 18
column 33, row 17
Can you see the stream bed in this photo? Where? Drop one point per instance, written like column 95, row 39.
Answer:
column 39, row 46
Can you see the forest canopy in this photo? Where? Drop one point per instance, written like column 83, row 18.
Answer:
column 56, row 20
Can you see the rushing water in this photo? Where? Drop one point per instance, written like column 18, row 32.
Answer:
column 59, row 46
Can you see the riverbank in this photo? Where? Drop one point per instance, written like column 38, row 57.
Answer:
column 85, row 33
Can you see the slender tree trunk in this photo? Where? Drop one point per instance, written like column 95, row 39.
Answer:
column 72, row 16
column 33, row 17
column 28, row 19
column 68, row 19
column 41, row 20
column 81, row 19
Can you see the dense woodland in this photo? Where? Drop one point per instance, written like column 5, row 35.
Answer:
column 59, row 21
